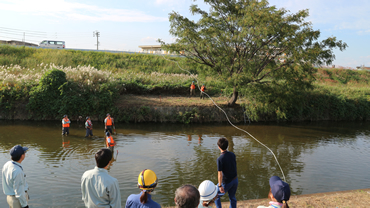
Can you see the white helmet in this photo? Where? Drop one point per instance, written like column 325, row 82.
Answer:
column 207, row 190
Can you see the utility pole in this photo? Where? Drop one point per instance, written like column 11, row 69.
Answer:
column 97, row 34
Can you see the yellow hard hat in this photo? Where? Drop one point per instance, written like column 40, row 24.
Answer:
column 147, row 180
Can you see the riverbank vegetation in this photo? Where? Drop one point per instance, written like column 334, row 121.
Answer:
column 50, row 83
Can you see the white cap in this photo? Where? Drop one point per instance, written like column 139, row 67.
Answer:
column 207, row 190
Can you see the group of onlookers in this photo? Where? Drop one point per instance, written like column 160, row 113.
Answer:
column 99, row 189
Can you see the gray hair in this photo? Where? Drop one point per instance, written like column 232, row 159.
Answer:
column 187, row 196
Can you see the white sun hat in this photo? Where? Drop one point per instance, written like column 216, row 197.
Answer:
column 207, row 190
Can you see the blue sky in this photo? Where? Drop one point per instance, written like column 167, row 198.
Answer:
column 124, row 25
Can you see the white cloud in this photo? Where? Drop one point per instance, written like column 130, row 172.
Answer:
column 77, row 11
column 336, row 14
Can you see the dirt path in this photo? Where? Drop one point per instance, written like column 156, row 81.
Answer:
column 351, row 199
column 156, row 100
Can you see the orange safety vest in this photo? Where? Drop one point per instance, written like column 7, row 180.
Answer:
column 192, row 86
column 111, row 143
column 109, row 121
column 202, row 88
column 67, row 124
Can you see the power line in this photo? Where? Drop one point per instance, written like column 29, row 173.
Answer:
column 30, row 31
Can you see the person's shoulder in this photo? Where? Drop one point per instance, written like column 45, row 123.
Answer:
column 88, row 173
column 155, row 204
column 8, row 165
column 133, row 196
column 230, row 153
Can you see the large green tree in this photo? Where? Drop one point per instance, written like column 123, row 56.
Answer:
column 249, row 43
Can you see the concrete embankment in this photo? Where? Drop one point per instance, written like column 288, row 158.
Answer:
column 351, row 198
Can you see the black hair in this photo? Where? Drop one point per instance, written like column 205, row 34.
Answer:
column 187, row 196
column 17, row 158
column 103, row 157
column 223, row 143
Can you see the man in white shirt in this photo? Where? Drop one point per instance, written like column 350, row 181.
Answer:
column 14, row 179
column 99, row 189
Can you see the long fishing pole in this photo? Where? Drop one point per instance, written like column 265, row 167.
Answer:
column 227, row 117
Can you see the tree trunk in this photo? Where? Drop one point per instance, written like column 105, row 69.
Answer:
column 233, row 99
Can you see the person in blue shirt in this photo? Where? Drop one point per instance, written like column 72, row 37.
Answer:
column 279, row 193
column 227, row 174
column 14, row 179
column 98, row 188
column 147, row 181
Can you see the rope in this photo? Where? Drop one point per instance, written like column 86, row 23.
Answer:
column 227, row 117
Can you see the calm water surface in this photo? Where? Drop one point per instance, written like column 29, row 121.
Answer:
column 315, row 157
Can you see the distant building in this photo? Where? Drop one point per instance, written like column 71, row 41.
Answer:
column 153, row 49
column 363, row 67
column 16, row 42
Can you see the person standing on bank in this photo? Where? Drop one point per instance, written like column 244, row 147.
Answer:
column 65, row 125
column 88, row 126
column 147, row 181
column 227, row 174
column 98, row 188
column 202, row 91
column 279, row 193
column 14, row 179
column 192, row 89
column 109, row 122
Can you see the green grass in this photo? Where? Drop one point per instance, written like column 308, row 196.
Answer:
column 337, row 94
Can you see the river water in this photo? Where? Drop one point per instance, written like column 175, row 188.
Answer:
column 315, row 157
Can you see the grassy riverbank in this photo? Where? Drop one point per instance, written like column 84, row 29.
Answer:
column 97, row 82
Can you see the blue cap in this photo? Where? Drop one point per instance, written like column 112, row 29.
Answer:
column 87, row 117
column 108, row 114
column 64, row 116
column 17, row 150
column 279, row 189
column 107, row 133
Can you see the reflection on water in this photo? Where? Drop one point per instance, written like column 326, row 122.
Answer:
column 317, row 157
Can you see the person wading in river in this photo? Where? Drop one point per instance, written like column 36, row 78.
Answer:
column 14, row 179
column 109, row 142
column 88, row 126
column 147, row 181
column 98, row 188
column 109, row 122
column 227, row 174
column 65, row 124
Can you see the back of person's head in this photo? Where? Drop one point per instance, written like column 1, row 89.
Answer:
column 280, row 190
column 187, row 196
column 17, row 151
column 223, row 143
column 103, row 157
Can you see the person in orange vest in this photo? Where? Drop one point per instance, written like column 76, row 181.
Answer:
column 202, row 90
column 65, row 125
column 109, row 142
column 109, row 122
column 192, row 89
